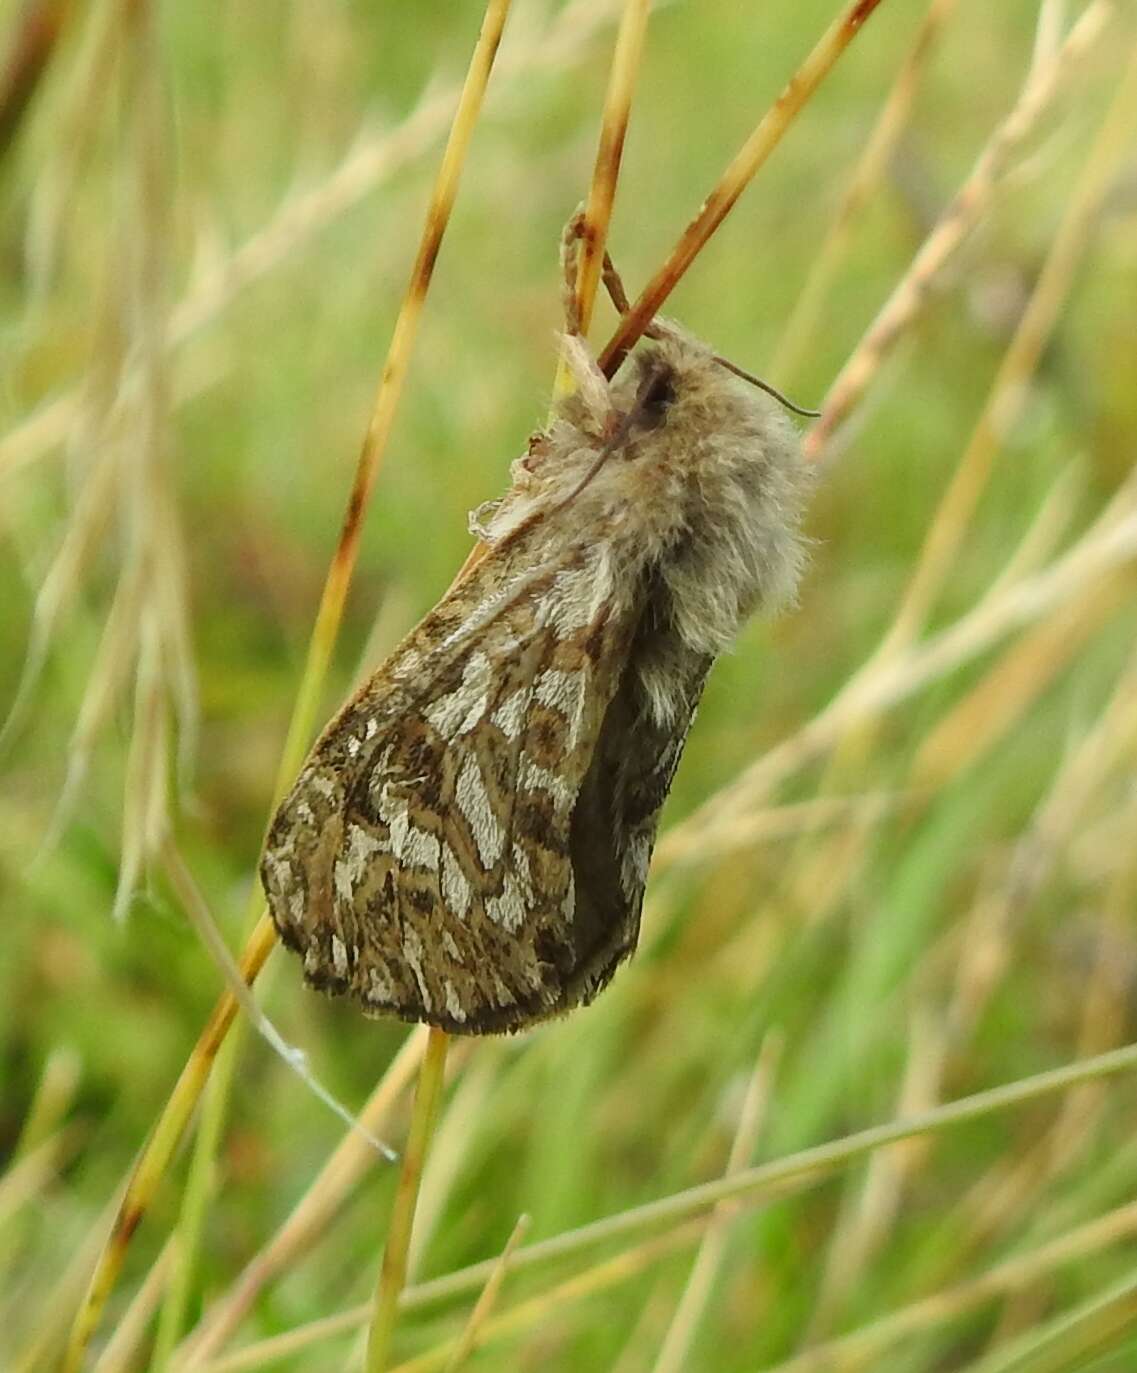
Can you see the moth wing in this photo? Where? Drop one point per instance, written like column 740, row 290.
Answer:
column 423, row 862
column 617, row 815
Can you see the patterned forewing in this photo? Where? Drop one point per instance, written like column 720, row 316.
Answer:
column 422, row 862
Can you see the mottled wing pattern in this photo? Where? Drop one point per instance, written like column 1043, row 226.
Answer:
column 423, row 861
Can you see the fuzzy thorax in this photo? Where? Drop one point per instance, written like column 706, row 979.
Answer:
column 683, row 486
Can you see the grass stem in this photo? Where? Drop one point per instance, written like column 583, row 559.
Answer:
column 393, row 1272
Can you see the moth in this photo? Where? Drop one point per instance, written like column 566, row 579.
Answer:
column 468, row 841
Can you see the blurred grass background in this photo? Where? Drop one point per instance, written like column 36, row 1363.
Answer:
column 939, row 901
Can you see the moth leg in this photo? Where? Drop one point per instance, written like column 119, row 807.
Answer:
column 591, row 382
column 614, row 285
column 571, row 238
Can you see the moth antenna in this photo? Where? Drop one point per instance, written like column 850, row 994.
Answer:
column 571, row 238
column 781, row 398
column 614, row 285
column 601, row 458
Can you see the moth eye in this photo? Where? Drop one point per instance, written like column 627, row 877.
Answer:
column 657, row 397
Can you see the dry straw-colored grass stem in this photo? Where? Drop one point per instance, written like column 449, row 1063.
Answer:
column 1032, row 663
column 126, row 501
column 949, row 527
column 625, row 66
column 910, row 294
column 1107, row 547
column 593, row 235
column 674, row 1353
column 121, row 1352
column 159, row 1148
column 870, row 1343
column 867, row 175
column 626, row 59
column 473, row 1334
column 873, row 1203
column 735, row 179
column 685, row 1213
column 597, row 213
column 400, row 1226
column 852, row 749
column 1070, row 1339
column 311, row 1215
column 991, row 709
column 394, row 375
column 374, row 158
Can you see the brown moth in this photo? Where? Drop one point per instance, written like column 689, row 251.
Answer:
column 468, row 842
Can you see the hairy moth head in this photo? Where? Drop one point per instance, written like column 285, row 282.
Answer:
column 691, row 479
